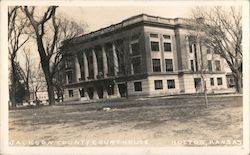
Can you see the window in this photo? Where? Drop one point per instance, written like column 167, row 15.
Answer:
column 171, row 84
column 167, row 47
column 137, row 86
column 156, row 65
column 136, row 63
column 190, row 48
column 166, row 36
column 158, row 84
column 217, row 65
column 68, row 64
column 135, row 49
column 219, row 81
column 208, row 51
column 212, row 81
column 209, row 65
column 154, row 46
column 169, row 65
column 197, row 82
column 192, row 65
column 69, row 77
column 153, row 35
column 71, row 94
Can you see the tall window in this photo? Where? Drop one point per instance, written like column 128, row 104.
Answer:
column 70, row 77
column 192, row 65
column 169, row 65
column 171, row 84
column 217, row 65
column 209, row 65
column 135, row 49
column 154, row 46
column 68, row 64
column 137, row 86
column 212, row 81
column 208, row 51
column 156, row 65
column 158, row 84
column 71, row 93
column 219, row 81
column 167, row 47
column 136, row 63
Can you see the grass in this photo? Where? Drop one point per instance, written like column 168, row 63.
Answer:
column 151, row 121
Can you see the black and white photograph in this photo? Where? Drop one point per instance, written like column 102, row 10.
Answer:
column 116, row 74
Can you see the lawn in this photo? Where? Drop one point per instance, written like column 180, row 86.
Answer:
column 172, row 121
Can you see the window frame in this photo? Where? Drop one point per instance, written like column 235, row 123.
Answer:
column 131, row 48
column 172, row 69
column 151, row 45
column 169, row 82
column 158, row 67
column 216, row 63
column 210, row 67
column 221, row 81
column 136, row 86
column 167, row 50
column 211, row 81
column 160, row 84
column 71, row 93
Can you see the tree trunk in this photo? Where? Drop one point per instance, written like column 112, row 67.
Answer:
column 13, row 84
column 46, row 70
column 50, row 90
column 238, row 84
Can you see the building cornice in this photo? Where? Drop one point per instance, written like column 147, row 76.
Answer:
column 142, row 19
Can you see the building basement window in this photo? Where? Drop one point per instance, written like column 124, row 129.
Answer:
column 171, row 84
column 137, row 86
column 167, row 47
column 219, row 81
column 71, row 93
column 156, row 65
column 155, row 46
column 158, row 84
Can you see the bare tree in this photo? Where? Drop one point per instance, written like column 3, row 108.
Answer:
column 17, row 38
column 223, row 34
column 50, row 31
column 27, row 70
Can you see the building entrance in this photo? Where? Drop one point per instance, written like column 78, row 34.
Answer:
column 122, row 89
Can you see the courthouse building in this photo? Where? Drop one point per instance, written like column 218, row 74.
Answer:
column 140, row 56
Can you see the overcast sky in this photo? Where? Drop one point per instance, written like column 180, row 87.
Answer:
column 100, row 17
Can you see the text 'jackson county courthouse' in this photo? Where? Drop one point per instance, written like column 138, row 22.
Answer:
column 140, row 56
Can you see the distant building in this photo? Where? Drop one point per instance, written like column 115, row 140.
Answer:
column 140, row 56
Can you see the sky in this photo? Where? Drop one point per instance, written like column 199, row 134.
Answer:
column 100, row 17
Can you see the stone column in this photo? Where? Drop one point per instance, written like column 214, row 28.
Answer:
column 105, row 63
column 86, row 94
column 105, row 93
column 86, row 68
column 77, row 70
column 116, row 91
column 115, row 60
column 95, row 94
column 95, row 67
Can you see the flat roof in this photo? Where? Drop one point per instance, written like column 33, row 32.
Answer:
column 127, row 22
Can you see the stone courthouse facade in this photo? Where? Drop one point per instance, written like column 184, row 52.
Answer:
column 140, row 56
